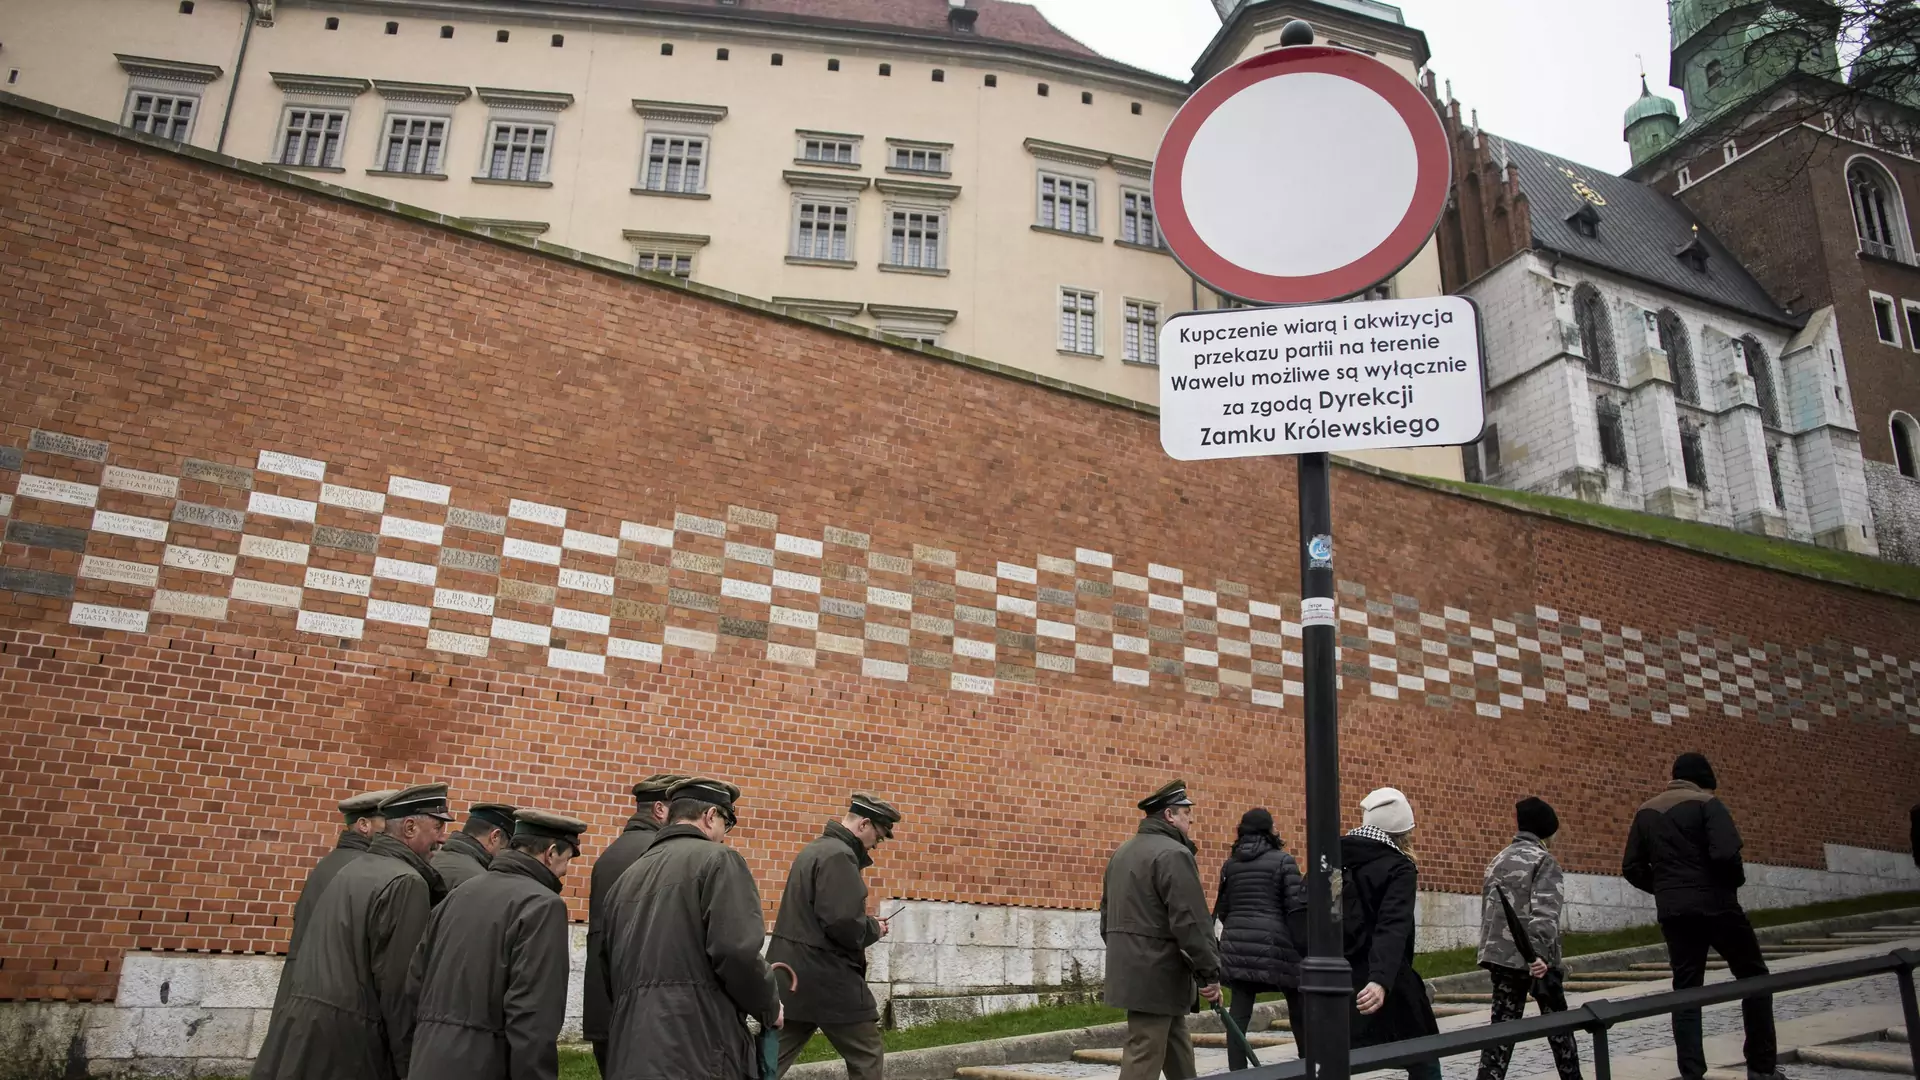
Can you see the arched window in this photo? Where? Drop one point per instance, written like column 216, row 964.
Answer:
column 1714, row 73
column 1596, row 332
column 1876, row 210
column 1679, row 350
column 1906, row 444
column 1757, row 365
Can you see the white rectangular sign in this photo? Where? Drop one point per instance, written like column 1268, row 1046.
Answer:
column 1249, row 382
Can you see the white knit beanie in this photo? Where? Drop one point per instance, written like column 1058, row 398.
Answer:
column 1387, row 810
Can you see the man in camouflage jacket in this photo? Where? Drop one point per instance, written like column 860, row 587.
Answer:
column 1528, row 876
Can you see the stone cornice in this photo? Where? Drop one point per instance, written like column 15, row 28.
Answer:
column 917, row 189
column 918, row 144
column 665, row 241
column 179, row 71
column 536, row 100
column 428, row 93
column 1070, row 155
column 340, row 86
column 838, row 309
column 512, row 225
column 824, row 181
column 903, row 311
column 1139, row 168
column 685, row 112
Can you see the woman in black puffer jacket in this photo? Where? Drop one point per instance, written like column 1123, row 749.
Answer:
column 1262, row 908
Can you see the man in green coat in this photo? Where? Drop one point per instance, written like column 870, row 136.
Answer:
column 347, row 1016
column 467, row 853
column 490, row 977
column 649, row 816
column 363, row 820
column 1159, row 935
column 823, row 932
column 684, row 930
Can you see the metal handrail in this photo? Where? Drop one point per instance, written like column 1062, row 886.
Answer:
column 1596, row 1017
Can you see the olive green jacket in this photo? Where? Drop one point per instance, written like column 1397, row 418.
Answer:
column 1154, row 918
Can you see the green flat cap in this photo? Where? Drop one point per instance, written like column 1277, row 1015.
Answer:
column 498, row 815
column 540, row 823
column 365, row 804
column 1173, row 793
column 718, row 792
column 429, row 800
column 654, row 788
column 882, row 814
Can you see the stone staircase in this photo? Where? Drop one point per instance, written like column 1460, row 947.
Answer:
column 1885, row 1052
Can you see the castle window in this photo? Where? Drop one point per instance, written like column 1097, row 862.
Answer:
column 1613, row 437
column 1754, row 358
column 1906, row 444
column 1715, row 73
column 1876, row 211
column 1679, row 349
column 1693, row 457
column 1884, row 325
column 1596, row 332
column 1773, row 474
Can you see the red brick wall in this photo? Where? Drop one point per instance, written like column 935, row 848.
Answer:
column 168, row 788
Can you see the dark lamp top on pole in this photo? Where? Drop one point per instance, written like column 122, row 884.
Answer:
column 1297, row 32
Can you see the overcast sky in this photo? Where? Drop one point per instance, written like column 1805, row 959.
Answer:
column 1556, row 74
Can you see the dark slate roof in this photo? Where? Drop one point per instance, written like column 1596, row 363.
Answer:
column 1640, row 232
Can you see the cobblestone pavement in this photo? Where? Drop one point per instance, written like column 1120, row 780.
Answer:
column 1642, row 1036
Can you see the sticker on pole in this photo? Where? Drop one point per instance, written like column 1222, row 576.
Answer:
column 1304, row 174
column 1250, row 382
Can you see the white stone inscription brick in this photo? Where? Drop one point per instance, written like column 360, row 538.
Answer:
column 1132, row 582
column 1265, row 610
column 6, row 505
column 798, row 545
column 528, row 551
column 143, row 483
column 286, row 551
column 1016, row 605
column 883, row 669
column 585, row 621
column 407, row 488
column 1166, row 603
column 421, row 532
column 108, row 618
column 583, row 581
column 972, row 649
column 1026, row 575
column 289, row 465
column 463, row 644
column 523, row 632
column 787, row 579
column 967, row 579
column 47, row 489
column 401, row 570
column 192, row 605
column 889, row 598
column 1052, row 629
column 790, row 654
column 455, row 600
column 1165, row 573
column 573, row 660
column 326, row 625
column 698, row 640
column 540, row 513
column 786, row 616
column 127, row 525
column 971, row 684
column 647, row 652
column 646, row 534
column 207, row 562
column 371, row 502
column 262, row 592
column 1093, row 558
column 337, row 582
column 259, row 502
column 747, row 590
column 591, row 543
column 392, row 612
column 129, row 573
column 1130, row 676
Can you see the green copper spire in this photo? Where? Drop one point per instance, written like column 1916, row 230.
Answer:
column 1649, row 124
column 1726, row 51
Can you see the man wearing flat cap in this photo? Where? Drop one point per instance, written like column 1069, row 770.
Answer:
column 467, row 853
column 823, row 932
column 1159, row 935
column 683, row 935
column 362, row 818
column 649, row 816
column 347, row 1013
column 489, row 980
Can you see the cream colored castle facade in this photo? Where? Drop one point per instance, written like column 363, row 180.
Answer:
column 962, row 174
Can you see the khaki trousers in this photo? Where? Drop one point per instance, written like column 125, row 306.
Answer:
column 859, row 1044
column 1155, row 1045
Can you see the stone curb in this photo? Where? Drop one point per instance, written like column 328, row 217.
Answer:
column 1840, row 1057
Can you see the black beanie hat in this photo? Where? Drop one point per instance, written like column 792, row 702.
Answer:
column 1256, row 822
column 1695, row 768
column 1536, row 817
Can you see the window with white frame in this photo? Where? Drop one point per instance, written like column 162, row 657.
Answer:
column 415, row 144
column 1137, row 224
column 822, row 229
column 1079, row 321
column 824, row 150
column 519, row 151
column 916, row 238
column 1876, row 210
column 919, row 159
column 170, row 116
column 1885, row 325
column 1142, row 344
column 1066, row 203
column 313, row 137
column 679, row 264
column 675, row 163
column 1913, row 324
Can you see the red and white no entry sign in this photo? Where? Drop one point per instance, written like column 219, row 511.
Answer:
column 1304, row 174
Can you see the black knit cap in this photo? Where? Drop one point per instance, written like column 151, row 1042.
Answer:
column 1535, row 816
column 1256, row 822
column 1695, row 768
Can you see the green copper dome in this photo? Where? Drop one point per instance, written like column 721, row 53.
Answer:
column 1649, row 104
column 1650, row 124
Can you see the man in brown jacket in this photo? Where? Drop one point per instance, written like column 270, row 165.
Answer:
column 1159, row 935
column 649, row 815
column 346, row 1012
column 489, row 980
column 467, row 853
column 683, row 933
column 823, row 932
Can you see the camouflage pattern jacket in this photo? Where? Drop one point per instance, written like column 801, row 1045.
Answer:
column 1530, row 876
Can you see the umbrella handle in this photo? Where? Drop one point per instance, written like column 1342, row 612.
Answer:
column 793, row 977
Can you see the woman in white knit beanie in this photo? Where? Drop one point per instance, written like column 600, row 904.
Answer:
column 1380, row 885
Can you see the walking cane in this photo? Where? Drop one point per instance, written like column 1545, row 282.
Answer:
column 1234, row 1034
column 770, row 1036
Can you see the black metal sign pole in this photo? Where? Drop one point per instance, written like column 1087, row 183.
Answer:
column 1326, row 982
